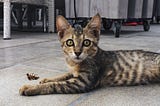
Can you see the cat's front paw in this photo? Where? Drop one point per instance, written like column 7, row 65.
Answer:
column 26, row 90
column 45, row 80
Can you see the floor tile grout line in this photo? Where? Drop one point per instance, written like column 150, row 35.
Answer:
column 80, row 99
column 28, row 44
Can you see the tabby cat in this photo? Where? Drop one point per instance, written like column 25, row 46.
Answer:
column 92, row 67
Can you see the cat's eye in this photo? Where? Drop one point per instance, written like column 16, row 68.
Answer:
column 69, row 42
column 86, row 42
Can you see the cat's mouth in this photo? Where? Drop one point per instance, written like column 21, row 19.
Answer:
column 78, row 59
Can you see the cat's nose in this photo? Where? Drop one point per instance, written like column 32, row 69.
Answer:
column 78, row 53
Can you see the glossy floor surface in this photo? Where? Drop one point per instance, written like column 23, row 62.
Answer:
column 41, row 53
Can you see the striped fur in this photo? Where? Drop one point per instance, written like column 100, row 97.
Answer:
column 92, row 67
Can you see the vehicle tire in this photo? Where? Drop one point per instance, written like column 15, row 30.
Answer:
column 107, row 24
column 146, row 26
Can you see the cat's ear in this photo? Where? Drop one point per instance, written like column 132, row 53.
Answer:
column 95, row 25
column 61, row 25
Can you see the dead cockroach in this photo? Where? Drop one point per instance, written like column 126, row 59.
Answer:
column 32, row 76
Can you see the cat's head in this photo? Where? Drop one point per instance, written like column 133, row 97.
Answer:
column 79, row 43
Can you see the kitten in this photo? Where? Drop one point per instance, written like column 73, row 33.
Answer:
column 92, row 67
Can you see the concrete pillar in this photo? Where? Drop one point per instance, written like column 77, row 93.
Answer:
column 44, row 25
column 51, row 16
column 7, row 20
